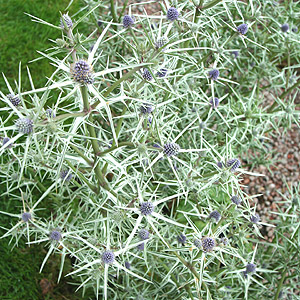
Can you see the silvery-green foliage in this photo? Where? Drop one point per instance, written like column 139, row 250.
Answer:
column 110, row 171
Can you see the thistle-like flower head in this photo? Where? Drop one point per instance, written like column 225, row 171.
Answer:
column 146, row 108
column 55, row 235
column 147, row 75
column 295, row 29
column 108, row 257
column 160, row 43
column 208, row 244
column 66, row 175
column 235, row 53
column 172, row 14
column 236, row 200
column 26, row 216
column 171, row 149
column 215, row 215
column 24, row 125
column 65, row 18
column 242, row 29
column 233, row 164
column 214, row 102
column 15, row 100
column 250, row 268
column 181, row 238
column 214, row 74
column 82, row 72
column 162, row 72
column 50, row 113
column 146, row 208
column 220, row 164
column 127, row 265
column 5, row 141
column 144, row 234
column 255, row 218
column 141, row 246
column 285, row 28
column 128, row 21
column 197, row 243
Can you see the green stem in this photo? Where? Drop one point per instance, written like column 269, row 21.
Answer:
column 92, row 134
column 283, row 277
column 117, row 135
column 81, row 154
column 112, row 148
column 93, row 188
column 134, row 38
column 211, row 4
column 113, row 11
column 69, row 115
column 73, row 53
column 123, row 9
column 205, row 175
column 273, row 106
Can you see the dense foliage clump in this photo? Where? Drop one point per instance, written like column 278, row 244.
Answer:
column 144, row 149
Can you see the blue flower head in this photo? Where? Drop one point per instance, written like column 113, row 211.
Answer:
column 197, row 243
column 236, row 200
column 172, row 14
column 82, row 72
column 24, row 125
column 15, row 100
column 208, row 244
column 128, row 21
column 66, row 175
column 242, row 29
column 255, row 218
column 235, row 53
column 141, row 246
column 171, row 149
column 26, row 216
column 146, row 208
column 181, row 238
column 55, row 235
column 233, row 164
column 50, row 113
column 67, row 20
column 144, row 234
column 285, row 28
column 214, row 74
column 5, row 141
column 214, row 102
column 215, row 215
column 147, row 75
column 127, row 265
column 162, row 73
column 146, row 108
column 250, row 268
column 108, row 257
column 220, row 164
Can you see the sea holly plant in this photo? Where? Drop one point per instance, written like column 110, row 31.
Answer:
column 131, row 159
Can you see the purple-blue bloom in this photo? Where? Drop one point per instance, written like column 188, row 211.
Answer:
column 172, row 14
column 214, row 74
column 242, row 29
column 26, row 216
column 128, row 21
column 146, row 208
column 171, row 149
column 108, row 257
